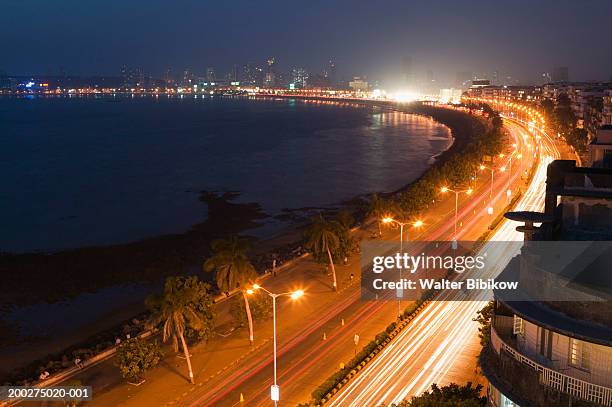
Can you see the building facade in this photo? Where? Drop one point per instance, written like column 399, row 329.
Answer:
column 556, row 353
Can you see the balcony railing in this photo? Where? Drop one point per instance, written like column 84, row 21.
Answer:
column 558, row 381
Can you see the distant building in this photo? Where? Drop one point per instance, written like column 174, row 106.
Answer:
column 451, row 95
column 168, row 78
column 232, row 75
column 318, row 81
column 560, row 74
column 510, row 93
column 252, row 75
column 495, row 78
column 591, row 102
column 299, row 78
column 132, row 77
column 587, row 104
column 600, row 148
column 359, row 84
column 211, row 77
column 270, row 80
column 463, row 79
column 270, row 77
column 480, row 83
column 556, row 352
column 188, row 78
column 5, row 82
column 607, row 107
column 330, row 74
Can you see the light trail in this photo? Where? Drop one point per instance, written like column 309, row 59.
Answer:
column 452, row 324
column 425, row 352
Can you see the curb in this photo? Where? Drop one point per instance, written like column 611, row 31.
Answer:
column 400, row 325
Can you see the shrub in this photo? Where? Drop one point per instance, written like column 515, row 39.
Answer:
column 484, row 320
column 135, row 356
column 452, row 395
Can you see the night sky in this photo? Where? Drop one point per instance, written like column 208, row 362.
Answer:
column 521, row 38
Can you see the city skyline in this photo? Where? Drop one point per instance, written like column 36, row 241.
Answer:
column 94, row 39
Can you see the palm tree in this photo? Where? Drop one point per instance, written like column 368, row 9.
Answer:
column 174, row 310
column 233, row 269
column 322, row 237
column 377, row 207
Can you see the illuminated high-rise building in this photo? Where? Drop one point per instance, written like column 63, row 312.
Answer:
column 252, row 75
column 299, row 77
column 331, row 73
column 168, row 77
column 131, row 77
column 232, row 76
column 270, row 76
column 210, row 75
column 4, row 81
column 188, row 78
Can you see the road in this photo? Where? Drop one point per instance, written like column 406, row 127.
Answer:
column 305, row 360
column 432, row 349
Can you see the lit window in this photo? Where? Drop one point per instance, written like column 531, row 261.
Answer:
column 518, row 326
column 580, row 354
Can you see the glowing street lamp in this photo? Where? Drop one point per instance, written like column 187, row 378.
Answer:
column 416, row 224
column 483, row 167
column 465, row 191
column 294, row 295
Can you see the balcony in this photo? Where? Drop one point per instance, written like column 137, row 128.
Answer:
column 531, row 384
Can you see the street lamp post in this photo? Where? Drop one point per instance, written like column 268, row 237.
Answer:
column 275, row 390
column 415, row 224
column 484, row 167
column 467, row 192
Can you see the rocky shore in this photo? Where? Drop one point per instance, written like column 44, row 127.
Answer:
column 51, row 277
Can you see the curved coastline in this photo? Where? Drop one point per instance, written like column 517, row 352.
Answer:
column 186, row 249
column 140, row 260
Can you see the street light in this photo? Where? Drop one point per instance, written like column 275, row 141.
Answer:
column 483, row 167
column 416, row 224
column 466, row 191
column 294, row 295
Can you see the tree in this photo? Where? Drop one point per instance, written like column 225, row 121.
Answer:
column 135, row 356
column 565, row 119
column 202, row 302
column 260, row 305
column 497, row 122
column 233, row 269
column 377, row 208
column 174, row 311
column 322, row 238
column 345, row 219
column 344, row 222
column 548, row 107
column 484, row 319
column 452, row 395
column 578, row 138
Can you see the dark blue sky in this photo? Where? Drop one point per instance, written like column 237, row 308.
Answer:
column 520, row 38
